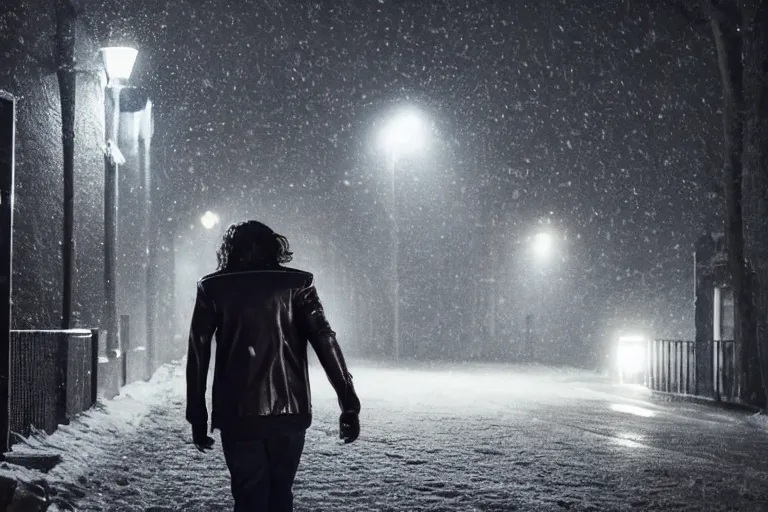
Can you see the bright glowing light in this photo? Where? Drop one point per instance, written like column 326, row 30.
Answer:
column 630, row 355
column 633, row 409
column 406, row 133
column 543, row 244
column 209, row 219
column 118, row 62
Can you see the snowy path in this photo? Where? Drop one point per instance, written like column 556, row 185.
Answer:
column 481, row 439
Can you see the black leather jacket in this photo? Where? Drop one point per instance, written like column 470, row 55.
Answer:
column 262, row 321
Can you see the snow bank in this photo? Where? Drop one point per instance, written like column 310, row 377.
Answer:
column 85, row 440
column 759, row 420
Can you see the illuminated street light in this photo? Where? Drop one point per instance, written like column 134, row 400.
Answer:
column 405, row 133
column 209, row 220
column 118, row 62
column 631, row 357
column 543, row 244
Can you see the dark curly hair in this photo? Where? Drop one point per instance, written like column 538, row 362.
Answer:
column 252, row 245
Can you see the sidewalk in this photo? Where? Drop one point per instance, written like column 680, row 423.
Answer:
column 89, row 438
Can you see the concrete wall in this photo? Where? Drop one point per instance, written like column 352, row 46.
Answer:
column 28, row 71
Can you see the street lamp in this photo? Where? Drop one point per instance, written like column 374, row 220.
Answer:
column 543, row 248
column 209, row 220
column 631, row 358
column 118, row 64
column 405, row 133
column 543, row 244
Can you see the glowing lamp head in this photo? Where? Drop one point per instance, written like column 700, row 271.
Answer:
column 406, row 133
column 209, row 220
column 118, row 62
column 543, row 244
column 630, row 355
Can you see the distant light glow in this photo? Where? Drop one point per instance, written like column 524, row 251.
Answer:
column 543, row 244
column 405, row 133
column 630, row 354
column 209, row 219
column 118, row 62
column 633, row 409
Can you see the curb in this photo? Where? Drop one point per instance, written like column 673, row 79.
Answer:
column 711, row 402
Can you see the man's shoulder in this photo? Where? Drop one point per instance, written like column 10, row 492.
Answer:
column 291, row 275
column 208, row 277
column 301, row 277
column 303, row 273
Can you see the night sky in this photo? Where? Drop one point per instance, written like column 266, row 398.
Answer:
column 601, row 120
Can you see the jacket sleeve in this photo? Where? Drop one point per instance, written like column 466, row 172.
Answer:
column 199, row 357
column 323, row 341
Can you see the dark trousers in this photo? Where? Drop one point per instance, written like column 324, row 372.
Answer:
column 263, row 470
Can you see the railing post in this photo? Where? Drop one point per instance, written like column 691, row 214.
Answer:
column 94, row 365
column 687, row 368
column 675, row 345
column 648, row 364
column 125, row 342
column 738, row 376
column 680, row 367
column 660, row 364
column 692, row 371
column 665, row 363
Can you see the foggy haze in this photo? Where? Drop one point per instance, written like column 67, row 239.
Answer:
column 499, row 202
column 570, row 117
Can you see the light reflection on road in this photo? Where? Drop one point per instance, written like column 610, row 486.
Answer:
column 633, row 409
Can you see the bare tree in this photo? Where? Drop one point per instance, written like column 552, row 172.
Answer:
column 754, row 33
column 725, row 20
column 739, row 31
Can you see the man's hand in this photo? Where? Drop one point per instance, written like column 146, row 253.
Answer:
column 349, row 427
column 200, row 437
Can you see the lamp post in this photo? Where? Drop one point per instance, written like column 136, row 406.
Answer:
column 118, row 64
column 65, row 59
column 146, row 130
column 404, row 134
column 543, row 248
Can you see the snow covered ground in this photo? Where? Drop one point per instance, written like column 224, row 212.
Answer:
column 435, row 438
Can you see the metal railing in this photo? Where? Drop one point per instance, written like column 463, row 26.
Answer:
column 671, row 366
column 53, row 378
